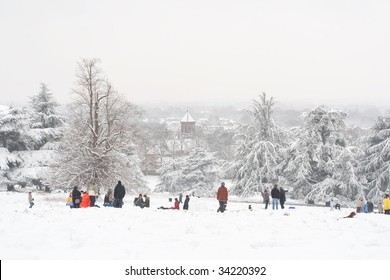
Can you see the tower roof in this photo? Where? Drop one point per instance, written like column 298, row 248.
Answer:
column 187, row 118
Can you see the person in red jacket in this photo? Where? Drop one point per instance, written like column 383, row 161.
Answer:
column 85, row 200
column 222, row 197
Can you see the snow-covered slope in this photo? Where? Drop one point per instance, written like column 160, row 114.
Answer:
column 50, row 230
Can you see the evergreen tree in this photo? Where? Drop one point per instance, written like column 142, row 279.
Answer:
column 196, row 172
column 8, row 161
column 376, row 163
column 44, row 107
column 258, row 153
column 318, row 165
column 14, row 127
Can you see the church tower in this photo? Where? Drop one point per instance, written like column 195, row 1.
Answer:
column 187, row 126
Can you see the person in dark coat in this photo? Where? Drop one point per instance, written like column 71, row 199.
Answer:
column 282, row 197
column 370, row 206
column 186, row 202
column 76, row 197
column 119, row 194
column 275, row 197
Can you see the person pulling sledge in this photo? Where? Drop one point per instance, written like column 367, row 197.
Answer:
column 222, row 197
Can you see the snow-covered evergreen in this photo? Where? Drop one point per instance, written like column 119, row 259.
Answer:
column 376, row 162
column 14, row 128
column 258, row 153
column 319, row 165
column 44, row 106
column 7, row 162
column 196, row 172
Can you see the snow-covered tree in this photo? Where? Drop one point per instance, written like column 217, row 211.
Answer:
column 7, row 162
column 258, row 153
column 376, row 162
column 14, row 127
column 196, row 172
column 319, row 165
column 44, row 106
column 98, row 146
column 18, row 136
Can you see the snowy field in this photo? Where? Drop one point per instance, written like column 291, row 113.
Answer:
column 50, row 230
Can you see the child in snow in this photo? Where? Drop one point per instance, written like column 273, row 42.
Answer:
column 176, row 206
column 85, row 200
column 108, row 199
column 146, row 201
column 69, row 201
column 30, row 200
column 331, row 204
column 139, row 201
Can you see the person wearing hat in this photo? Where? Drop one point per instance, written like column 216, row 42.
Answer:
column 222, row 197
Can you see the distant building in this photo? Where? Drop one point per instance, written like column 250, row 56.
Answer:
column 187, row 126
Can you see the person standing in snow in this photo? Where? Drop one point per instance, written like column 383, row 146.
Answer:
column 222, row 197
column 359, row 205
column 275, row 197
column 282, row 197
column 181, row 197
column 30, row 199
column 380, row 207
column 186, row 202
column 93, row 192
column 370, row 206
column 265, row 195
column 76, row 197
column 119, row 194
column 331, row 204
column 386, row 204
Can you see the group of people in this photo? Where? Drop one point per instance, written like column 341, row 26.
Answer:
column 84, row 199
column 368, row 207
column 278, row 195
column 177, row 202
column 142, row 201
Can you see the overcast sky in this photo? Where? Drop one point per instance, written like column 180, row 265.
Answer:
column 192, row 51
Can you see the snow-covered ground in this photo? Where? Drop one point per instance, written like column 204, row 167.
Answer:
column 50, row 230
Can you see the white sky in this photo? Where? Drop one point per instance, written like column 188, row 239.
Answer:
column 218, row 50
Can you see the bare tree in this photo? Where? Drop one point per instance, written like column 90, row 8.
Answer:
column 99, row 144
